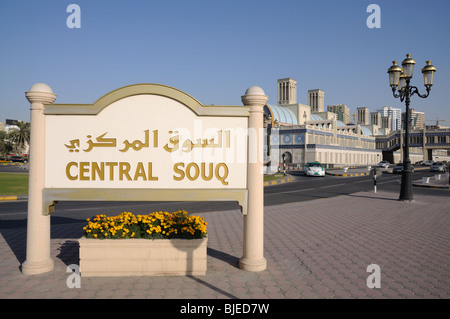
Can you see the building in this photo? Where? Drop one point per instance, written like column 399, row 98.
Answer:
column 375, row 118
column 291, row 112
column 316, row 100
column 395, row 114
column 287, row 91
column 342, row 111
column 386, row 122
column 363, row 115
column 417, row 119
column 296, row 133
column 10, row 124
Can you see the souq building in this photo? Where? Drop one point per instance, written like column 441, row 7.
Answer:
column 297, row 133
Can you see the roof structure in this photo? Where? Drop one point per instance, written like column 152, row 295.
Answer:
column 286, row 116
column 281, row 114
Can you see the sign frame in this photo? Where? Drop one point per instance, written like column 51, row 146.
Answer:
column 42, row 197
column 52, row 195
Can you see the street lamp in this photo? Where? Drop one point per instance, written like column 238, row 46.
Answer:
column 399, row 79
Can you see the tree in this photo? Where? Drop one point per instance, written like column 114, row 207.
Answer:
column 5, row 145
column 20, row 136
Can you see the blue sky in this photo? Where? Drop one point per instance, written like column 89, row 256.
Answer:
column 214, row 50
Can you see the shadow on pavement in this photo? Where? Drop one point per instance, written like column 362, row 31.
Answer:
column 373, row 197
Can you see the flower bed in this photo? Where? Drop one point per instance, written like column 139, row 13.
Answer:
column 159, row 243
column 158, row 225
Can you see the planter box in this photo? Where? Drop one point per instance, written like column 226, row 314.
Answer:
column 142, row 257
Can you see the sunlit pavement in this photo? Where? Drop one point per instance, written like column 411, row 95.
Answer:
column 314, row 249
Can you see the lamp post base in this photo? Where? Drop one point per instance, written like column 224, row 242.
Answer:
column 406, row 193
column 407, row 200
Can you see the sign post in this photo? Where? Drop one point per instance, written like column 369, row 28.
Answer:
column 253, row 252
column 375, row 172
column 38, row 258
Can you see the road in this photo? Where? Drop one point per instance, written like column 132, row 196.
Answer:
column 13, row 213
column 309, row 188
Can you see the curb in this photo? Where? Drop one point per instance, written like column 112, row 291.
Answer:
column 388, row 171
column 348, row 175
column 279, row 181
column 13, row 197
column 432, row 186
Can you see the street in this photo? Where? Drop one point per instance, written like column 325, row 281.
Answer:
column 308, row 188
column 14, row 213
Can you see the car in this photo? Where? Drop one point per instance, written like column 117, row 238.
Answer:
column 17, row 159
column 383, row 164
column 428, row 163
column 314, row 169
column 437, row 167
column 398, row 168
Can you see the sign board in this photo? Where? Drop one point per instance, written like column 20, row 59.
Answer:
column 376, row 172
column 145, row 142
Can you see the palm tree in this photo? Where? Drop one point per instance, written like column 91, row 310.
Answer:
column 5, row 144
column 20, row 136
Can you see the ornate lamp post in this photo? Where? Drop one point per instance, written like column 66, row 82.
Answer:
column 399, row 80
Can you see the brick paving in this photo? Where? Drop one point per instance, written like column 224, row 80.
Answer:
column 314, row 249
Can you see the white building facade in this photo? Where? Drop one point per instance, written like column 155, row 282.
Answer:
column 296, row 133
column 395, row 114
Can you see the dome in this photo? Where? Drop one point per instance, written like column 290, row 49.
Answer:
column 41, row 87
column 366, row 131
column 254, row 90
column 315, row 117
column 339, row 123
column 282, row 115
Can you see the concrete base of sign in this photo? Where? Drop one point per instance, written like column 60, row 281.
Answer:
column 142, row 257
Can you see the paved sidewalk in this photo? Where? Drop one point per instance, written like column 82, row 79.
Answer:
column 314, row 249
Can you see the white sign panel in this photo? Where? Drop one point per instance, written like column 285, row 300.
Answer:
column 146, row 141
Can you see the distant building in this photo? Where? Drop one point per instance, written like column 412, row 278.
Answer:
column 10, row 124
column 375, row 118
column 342, row 111
column 296, row 133
column 417, row 119
column 287, row 91
column 316, row 100
column 291, row 112
column 386, row 122
column 395, row 114
column 363, row 115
